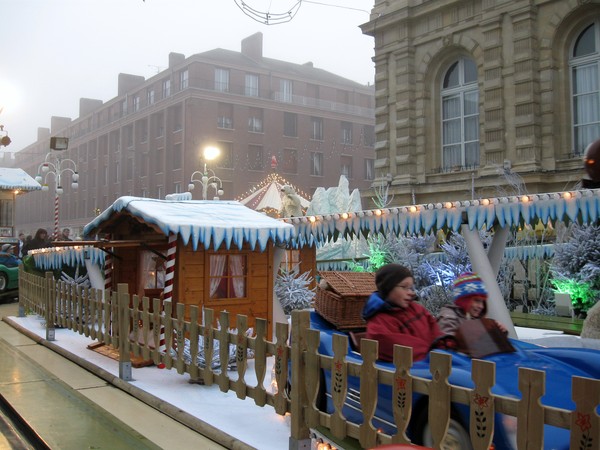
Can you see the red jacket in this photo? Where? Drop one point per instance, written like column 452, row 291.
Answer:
column 413, row 326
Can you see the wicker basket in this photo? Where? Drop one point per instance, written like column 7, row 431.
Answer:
column 341, row 303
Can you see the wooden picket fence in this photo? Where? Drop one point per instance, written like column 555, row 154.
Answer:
column 109, row 316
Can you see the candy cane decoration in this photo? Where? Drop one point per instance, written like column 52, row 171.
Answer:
column 108, row 267
column 168, row 289
column 169, row 276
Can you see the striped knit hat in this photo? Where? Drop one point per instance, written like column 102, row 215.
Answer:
column 467, row 286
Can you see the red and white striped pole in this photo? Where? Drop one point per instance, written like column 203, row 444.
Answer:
column 108, row 280
column 108, row 268
column 168, row 290
column 56, row 216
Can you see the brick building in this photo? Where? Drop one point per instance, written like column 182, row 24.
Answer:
column 147, row 141
column 468, row 91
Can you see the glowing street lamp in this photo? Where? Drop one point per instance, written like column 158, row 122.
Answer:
column 208, row 179
column 57, row 166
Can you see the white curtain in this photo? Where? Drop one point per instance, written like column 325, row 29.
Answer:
column 217, row 269
column 236, row 267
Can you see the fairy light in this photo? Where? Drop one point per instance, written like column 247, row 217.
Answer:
column 485, row 202
column 448, row 205
column 344, row 216
column 525, row 199
column 567, row 195
column 312, row 219
column 377, row 212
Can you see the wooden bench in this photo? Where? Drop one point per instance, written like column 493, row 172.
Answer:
column 565, row 324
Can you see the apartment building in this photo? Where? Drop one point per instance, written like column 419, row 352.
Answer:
column 265, row 115
column 474, row 95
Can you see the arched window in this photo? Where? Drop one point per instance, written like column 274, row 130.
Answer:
column 585, row 86
column 460, row 116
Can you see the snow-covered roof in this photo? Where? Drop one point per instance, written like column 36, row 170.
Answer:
column 15, row 178
column 210, row 223
column 582, row 205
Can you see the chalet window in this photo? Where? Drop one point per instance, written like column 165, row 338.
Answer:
column 585, row 87
column 153, row 271
column 228, row 276
column 292, row 260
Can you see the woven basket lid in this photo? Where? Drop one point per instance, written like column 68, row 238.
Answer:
column 350, row 283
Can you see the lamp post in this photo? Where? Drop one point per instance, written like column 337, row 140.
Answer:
column 56, row 166
column 208, row 179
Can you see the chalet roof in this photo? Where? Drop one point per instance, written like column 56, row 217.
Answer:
column 15, row 178
column 211, row 223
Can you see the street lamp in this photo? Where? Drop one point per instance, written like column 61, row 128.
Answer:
column 208, row 179
column 56, row 166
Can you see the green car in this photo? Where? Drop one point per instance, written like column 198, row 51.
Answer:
column 9, row 272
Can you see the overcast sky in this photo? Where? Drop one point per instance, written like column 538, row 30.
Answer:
column 55, row 52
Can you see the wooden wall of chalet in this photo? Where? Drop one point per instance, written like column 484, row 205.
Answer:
column 191, row 283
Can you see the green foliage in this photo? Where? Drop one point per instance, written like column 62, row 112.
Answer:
column 575, row 267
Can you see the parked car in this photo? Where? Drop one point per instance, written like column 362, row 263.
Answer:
column 9, row 272
column 560, row 365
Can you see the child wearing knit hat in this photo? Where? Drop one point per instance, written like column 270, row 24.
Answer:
column 394, row 317
column 470, row 302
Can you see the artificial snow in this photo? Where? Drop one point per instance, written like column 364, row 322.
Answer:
column 257, row 426
column 17, row 179
column 207, row 222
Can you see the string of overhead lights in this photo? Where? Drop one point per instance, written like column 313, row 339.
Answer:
column 413, row 209
column 271, row 178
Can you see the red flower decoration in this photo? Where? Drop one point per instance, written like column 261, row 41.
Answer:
column 279, row 352
column 338, row 365
column 401, row 383
column 480, row 401
column 583, row 422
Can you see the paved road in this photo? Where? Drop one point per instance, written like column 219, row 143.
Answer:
column 68, row 406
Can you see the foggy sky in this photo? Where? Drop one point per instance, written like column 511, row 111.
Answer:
column 55, row 52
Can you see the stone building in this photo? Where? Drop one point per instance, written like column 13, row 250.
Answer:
column 474, row 95
column 265, row 116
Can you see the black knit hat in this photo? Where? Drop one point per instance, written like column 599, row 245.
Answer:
column 388, row 277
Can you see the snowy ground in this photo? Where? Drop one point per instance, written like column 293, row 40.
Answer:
column 257, row 426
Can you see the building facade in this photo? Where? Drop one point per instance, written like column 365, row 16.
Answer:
column 264, row 115
column 480, row 97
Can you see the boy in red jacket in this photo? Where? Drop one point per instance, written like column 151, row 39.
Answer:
column 393, row 317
